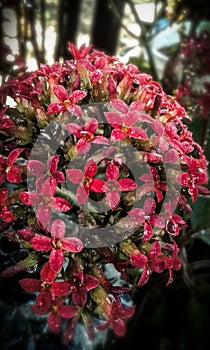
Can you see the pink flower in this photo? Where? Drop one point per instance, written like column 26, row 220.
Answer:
column 117, row 318
column 8, row 169
column 5, row 214
column 66, row 102
column 40, row 170
column 86, row 135
column 123, row 122
column 80, row 284
column 145, row 216
column 113, row 186
column 193, row 178
column 155, row 261
column 80, row 53
column 45, row 201
column 57, row 244
column 86, row 181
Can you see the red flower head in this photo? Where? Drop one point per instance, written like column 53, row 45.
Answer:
column 5, row 214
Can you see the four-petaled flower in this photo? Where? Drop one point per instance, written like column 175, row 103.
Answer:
column 57, row 244
column 8, row 169
column 155, row 261
column 86, row 181
column 123, row 124
column 80, row 284
column 45, row 201
column 193, row 178
column 66, row 102
column 5, row 214
column 43, row 171
column 145, row 216
column 113, row 186
column 117, row 318
column 86, row 135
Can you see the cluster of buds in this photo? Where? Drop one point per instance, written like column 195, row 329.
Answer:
column 97, row 169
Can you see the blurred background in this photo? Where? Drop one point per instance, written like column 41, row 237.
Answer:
column 148, row 34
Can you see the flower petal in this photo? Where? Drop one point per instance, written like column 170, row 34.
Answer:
column 66, row 311
column 144, row 277
column 60, row 204
column 112, row 172
column 117, row 134
column 119, row 327
column 79, row 297
column 55, row 107
column 91, row 282
column 91, row 125
column 47, row 274
column 127, row 184
column 54, row 323
column 114, row 119
column 14, row 154
column 83, row 146
column 139, row 260
column 43, row 303
column 120, row 106
column 41, row 243
column 97, row 185
column 74, row 175
column 56, row 260
column 58, row 229
column 3, row 195
column 53, row 163
column 60, row 288
column 74, row 129
column 72, row 244
column 101, row 140
column 90, row 168
column 137, row 133
column 137, row 214
column 36, row 167
column 131, row 118
column 14, row 174
column 77, row 95
column 113, row 199
column 30, row 285
column 148, row 232
column 60, row 92
column 82, row 194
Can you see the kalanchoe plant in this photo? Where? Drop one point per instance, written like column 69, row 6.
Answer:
column 110, row 180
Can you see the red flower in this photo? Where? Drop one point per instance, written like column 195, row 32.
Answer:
column 5, row 214
column 80, row 53
column 152, row 182
column 155, row 261
column 145, row 216
column 66, row 102
column 193, row 178
column 80, row 284
column 8, row 169
column 86, row 180
column 40, row 170
column 123, row 124
column 113, row 186
column 86, row 135
column 117, row 318
column 57, row 244
column 45, row 201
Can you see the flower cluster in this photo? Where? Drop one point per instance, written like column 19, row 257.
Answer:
column 113, row 156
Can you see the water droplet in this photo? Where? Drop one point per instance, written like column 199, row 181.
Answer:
column 32, row 269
